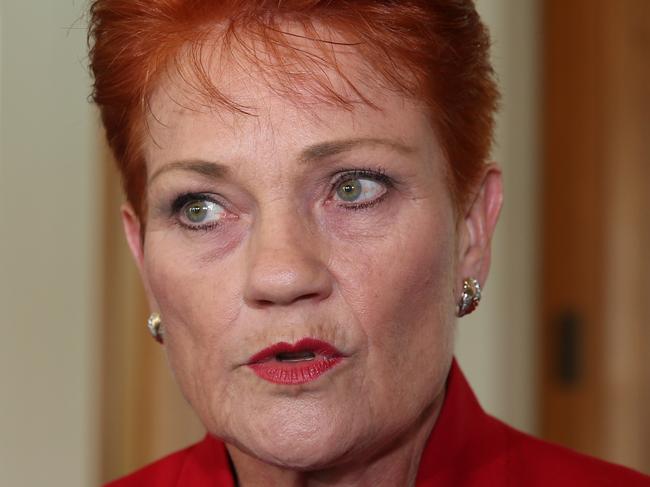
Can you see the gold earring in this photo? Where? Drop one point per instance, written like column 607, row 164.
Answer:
column 154, row 324
column 469, row 298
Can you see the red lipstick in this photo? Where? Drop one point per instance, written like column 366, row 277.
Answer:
column 302, row 362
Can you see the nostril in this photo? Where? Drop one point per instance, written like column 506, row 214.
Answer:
column 307, row 296
column 268, row 302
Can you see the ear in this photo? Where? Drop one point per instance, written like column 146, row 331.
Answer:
column 476, row 226
column 134, row 237
column 132, row 231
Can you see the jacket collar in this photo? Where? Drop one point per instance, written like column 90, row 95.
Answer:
column 464, row 441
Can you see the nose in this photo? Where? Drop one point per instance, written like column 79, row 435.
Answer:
column 286, row 263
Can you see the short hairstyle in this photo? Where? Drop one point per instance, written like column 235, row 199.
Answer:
column 433, row 50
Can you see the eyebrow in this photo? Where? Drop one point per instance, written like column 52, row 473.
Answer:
column 324, row 150
column 314, row 153
column 212, row 170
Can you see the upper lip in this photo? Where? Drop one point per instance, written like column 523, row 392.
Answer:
column 318, row 347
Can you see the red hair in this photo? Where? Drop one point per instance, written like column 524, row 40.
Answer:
column 434, row 50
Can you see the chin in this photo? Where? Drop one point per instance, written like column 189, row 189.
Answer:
column 299, row 438
column 301, row 456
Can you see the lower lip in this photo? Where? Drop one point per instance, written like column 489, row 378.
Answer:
column 294, row 373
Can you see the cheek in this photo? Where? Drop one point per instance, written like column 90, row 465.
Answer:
column 401, row 291
column 408, row 274
column 197, row 307
column 187, row 287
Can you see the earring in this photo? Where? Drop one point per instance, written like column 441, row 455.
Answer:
column 469, row 298
column 154, row 323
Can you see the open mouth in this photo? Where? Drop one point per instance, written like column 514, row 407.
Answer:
column 288, row 364
column 295, row 356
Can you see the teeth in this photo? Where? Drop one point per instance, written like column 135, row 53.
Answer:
column 295, row 356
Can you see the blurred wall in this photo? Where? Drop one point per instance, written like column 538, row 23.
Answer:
column 48, row 261
column 496, row 345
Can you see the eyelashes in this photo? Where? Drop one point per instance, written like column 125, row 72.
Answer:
column 350, row 190
column 182, row 200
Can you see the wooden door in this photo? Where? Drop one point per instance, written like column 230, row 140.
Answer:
column 595, row 337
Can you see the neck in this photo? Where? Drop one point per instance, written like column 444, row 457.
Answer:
column 396, row 464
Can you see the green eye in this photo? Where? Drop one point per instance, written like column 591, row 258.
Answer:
column 196, row 213
column 202, row 211
column 349, row 190
column 359, row 190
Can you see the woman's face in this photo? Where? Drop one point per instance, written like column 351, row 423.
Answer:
column 303, row 221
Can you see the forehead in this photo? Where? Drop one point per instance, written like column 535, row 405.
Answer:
column 238, row 100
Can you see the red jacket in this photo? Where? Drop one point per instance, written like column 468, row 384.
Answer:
column 467, row 447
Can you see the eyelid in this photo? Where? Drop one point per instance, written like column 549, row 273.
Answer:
column 378, row 175
column 183, row 199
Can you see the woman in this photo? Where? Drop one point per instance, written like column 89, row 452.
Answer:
column 310, row 209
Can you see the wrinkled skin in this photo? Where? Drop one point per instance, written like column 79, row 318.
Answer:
column 286, row 257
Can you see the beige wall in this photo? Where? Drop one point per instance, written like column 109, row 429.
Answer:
column 50, row 216
column 496, row 345
column 48, row 221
